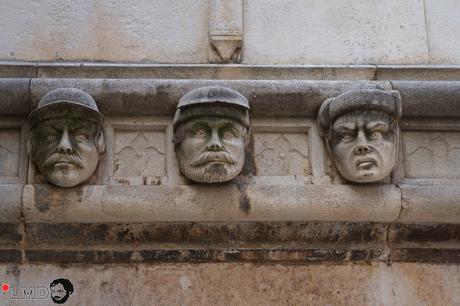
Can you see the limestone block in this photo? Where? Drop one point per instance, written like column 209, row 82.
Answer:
column 10, row 203
column 205, row 71
column 430, row 204
column 268, row 98
column 443, row 31
column 437, row 151
column 121, row 31
column 14, row 97
column 225, row 30
column 398, row 284
column 429, row 98
column 89, row 204
column 335, row 32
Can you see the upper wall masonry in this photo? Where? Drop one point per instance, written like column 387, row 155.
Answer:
column 253, row 32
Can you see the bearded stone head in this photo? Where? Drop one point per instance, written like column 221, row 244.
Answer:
column 210, row 134
column 361, row 132
column 66, row 138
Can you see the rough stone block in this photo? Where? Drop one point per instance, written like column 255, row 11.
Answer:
column 10, row 203
column 442, row 29
column 120, row 31
column 400, row 284
column 90, row 204
column 335, row 32
column 438, row 152
column 430, row 204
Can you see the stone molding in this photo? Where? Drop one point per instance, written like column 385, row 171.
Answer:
column 287, row 179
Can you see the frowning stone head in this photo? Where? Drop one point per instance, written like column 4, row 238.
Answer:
column 66, row 136
column 210, row 129
column 361, row 133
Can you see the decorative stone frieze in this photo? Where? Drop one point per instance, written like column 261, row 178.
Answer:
column 66, row 137
column 361, row 133
column 210, row 134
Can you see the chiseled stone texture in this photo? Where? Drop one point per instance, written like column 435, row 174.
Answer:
column 334, row 32
column 246, row 284
column 443, row 27
column 118, row 30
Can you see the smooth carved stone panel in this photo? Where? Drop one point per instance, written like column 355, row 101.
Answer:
column 10, row 142
column 139, row 153
column 434, row 155
column 281, row 154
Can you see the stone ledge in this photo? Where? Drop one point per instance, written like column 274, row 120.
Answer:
column 268, row 98
column 126, row 204
column 227, row 72
column 430, row 204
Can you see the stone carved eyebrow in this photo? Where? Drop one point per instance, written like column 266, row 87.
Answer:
column 345, row 127
column 379, row 125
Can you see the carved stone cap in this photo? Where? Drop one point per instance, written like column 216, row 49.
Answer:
column 66, row 103
column 212, row 101
column 364, row 99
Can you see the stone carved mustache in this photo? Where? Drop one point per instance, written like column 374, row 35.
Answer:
column 73, row 158
column 207, row 157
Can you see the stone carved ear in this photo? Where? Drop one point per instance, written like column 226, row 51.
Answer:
column 398, row 104
column 323, row 117
column 99, row 141
column 31, row 145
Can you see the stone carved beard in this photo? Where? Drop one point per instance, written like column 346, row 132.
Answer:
column 206, row 169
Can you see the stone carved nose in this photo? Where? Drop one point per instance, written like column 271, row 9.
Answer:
column 64, row 145
column 214, row 143
column 362, row 147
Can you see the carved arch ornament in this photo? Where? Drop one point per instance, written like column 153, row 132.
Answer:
column 211, row 131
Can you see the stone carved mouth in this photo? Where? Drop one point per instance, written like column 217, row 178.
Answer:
column 214, row 157
column 366, row 163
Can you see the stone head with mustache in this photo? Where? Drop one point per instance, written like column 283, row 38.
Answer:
column 66, row 136
column 361, row 133
column 210, row 134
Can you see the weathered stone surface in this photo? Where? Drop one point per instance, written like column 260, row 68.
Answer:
column 418, row 72
column 335, row 32
column 14, row 97
column 424, row 236
column 93, row 203
column 429, row 98
column 425, row 204
column 10, row 203
column 17, row 70
column 244, row 283
column 442, row 256
column 216, row 234
column 437, row 151
column 159, row 97
column 122, row 31
column 204, row 254
column 442, row 29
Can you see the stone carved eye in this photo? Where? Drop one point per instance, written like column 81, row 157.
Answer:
column 81, row 137
column 375, row 134
column 347, row 137
column 50, row 138
column 200, row 132
column 228, row 134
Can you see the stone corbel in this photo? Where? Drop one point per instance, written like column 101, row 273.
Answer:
column 225, row 30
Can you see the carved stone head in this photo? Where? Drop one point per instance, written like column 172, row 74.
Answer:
column 66, row 138
column 210, row 131
column 361, row 132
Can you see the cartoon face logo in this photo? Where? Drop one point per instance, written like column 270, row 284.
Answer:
column 61, row 289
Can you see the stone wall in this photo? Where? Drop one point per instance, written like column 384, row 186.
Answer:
column 273, row 32
column 289, row 229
